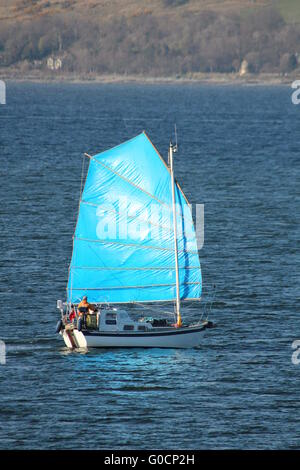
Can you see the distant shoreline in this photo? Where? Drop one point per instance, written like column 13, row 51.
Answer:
column 195, row 78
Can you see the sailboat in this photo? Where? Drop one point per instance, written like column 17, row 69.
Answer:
column 134, row 243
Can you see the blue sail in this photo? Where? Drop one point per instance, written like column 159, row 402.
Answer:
column 123, row 248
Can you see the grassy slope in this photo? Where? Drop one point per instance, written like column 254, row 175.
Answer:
column 26, row 9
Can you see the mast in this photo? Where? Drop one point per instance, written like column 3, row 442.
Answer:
column 171, row 150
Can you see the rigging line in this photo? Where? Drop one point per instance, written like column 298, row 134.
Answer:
column 208, row 305
column 81, row 182
column 212, row 301
column 71, row 281
column 69, row 268
column 150, row 247
column 147, row 308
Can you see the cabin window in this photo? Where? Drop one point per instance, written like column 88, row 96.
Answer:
column 128, row 327
column 111, row 319
column 111, row 316
column 142, row 328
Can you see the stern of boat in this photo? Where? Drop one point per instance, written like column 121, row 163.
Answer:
column 73, row 338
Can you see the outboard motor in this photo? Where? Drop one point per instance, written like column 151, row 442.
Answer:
column 79, row 324
column 59, row 326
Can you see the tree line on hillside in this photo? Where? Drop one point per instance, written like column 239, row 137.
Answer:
column 159, row 46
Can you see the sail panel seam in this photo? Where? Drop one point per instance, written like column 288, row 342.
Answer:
column 135, row 287
column 150, row 247
column 133, row 269
column 185, row 299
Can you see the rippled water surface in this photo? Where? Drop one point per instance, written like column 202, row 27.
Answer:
column 239, row 155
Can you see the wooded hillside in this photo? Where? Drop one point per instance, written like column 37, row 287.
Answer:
column 157, row 38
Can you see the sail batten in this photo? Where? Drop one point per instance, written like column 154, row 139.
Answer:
column 123, row 247
column 150, row 286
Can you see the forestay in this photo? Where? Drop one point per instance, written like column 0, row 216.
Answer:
column 123, row 247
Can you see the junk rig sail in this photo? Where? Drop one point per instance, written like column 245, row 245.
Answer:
column 123, row 247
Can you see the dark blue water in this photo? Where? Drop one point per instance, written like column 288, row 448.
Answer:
column 239, row 155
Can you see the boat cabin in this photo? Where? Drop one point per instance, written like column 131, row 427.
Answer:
column 111, row 319
column 119, row 320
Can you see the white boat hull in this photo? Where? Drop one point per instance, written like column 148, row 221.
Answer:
column 188, row 337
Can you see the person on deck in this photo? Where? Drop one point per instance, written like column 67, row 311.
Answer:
column 72, row 314
column 84, row 306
